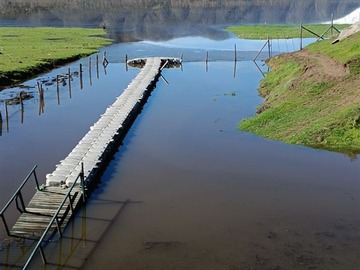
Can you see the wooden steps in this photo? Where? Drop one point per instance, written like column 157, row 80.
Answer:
column 41, row 210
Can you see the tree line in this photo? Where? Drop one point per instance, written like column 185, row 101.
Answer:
column 33, row 5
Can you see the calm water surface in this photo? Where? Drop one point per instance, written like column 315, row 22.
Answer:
column 187, row 190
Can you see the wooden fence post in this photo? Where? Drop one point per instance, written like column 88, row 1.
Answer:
column 69, row 80
column 235, row 53
column 300, row 36
column 81, row 77
column 1, row 124
column 6, row 116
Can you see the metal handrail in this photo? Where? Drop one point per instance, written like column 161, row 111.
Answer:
column 17, row 195
column 55, row 218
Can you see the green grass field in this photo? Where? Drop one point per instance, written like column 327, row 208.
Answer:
column 280, row 31
column 25, row 51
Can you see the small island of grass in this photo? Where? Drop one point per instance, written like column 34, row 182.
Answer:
column 27, row 51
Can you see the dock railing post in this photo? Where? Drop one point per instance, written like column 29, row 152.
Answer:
column 15, row 197
column 82, row 182
column 5, row 224
column 36, row 180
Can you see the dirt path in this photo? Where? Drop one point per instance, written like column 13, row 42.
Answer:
column 318, row 65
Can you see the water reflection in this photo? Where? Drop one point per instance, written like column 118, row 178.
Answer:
column 191, row 49
column 15, row 105
column 228, row 198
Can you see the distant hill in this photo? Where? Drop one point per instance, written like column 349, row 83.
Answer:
column 209, row 11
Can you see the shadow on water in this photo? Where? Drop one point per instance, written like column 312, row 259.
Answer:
column 60, row 251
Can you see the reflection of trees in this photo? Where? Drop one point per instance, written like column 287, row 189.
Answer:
column 146, row 18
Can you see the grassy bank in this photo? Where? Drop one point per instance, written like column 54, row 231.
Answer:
column 312, row 100
column 25, row 51
column 282, row 31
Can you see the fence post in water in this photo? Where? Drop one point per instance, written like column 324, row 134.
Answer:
column 126, row 62
column 234, row 69
column 6, row 116
column 90, row 71
column 235, row 53
column 69, row 77
column 206, row 62
column 1, row 121
column 41, row 98
column 21, row 107
column 105, row 62
column 57, row 89
column 301, row 36
column 97, row 66
column 269, row 46
column 89, row 63
column 81, row 78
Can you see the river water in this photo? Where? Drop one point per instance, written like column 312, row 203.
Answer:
column 186, row 190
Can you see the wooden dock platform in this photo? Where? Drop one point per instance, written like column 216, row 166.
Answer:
column 41, row 210
column 90, row 153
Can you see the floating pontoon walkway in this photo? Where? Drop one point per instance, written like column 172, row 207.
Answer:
column 89, row 155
